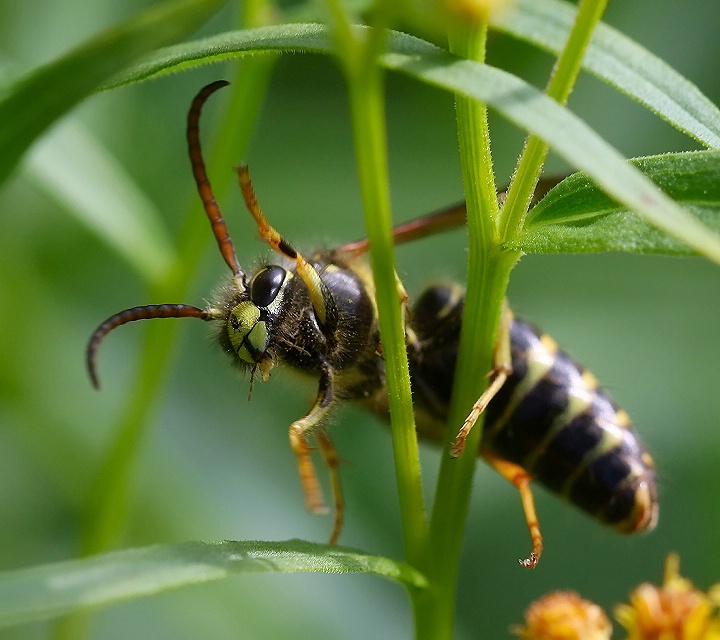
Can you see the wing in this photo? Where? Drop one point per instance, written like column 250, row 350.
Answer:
column 442, row 220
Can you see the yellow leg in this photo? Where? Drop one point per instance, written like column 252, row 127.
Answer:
column 298, row 441
column 521, row 479
column 308, row 478
column 501, row 370
column 333, row 463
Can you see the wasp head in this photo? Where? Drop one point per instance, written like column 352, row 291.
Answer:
column 246, row 331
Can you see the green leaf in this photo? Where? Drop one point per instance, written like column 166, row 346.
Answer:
column 75, row 170
column 51, row 590
column 35, row 101
column 514, row 98
column 577, row 217
column 298, row 38
column 619, row 61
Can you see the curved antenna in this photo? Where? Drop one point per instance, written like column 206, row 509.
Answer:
column 219, row 227
column 146, row 312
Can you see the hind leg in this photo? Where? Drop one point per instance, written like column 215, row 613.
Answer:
column 521, row 479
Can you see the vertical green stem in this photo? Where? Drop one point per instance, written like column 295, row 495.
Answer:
column 489, row 268
column 559, row 88
column 358, row 51
column 367, row 107
column 488, row 272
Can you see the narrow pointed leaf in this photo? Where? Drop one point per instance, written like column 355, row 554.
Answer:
column 621, row 62
column 35, row 101
column 514, row 98
column 75, row 170
column 577, row 217
column 47, row 591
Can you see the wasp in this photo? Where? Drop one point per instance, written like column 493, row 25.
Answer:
column 546, row 416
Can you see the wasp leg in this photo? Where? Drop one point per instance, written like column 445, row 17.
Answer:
column 298, row 441
column 333, row 463
column 521, row 479
column 320, row 297
column 501, row 370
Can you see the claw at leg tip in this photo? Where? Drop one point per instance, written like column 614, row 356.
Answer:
column 529, row 563
column 457, row 448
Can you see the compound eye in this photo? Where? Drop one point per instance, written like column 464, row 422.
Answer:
column 266, row 285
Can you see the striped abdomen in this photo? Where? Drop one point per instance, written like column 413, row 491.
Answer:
column 550, row 417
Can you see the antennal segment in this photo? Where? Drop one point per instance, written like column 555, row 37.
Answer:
column 146, row 312
column 321, row 299
column 219, row 227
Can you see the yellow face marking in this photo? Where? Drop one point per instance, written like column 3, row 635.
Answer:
column 242, row 323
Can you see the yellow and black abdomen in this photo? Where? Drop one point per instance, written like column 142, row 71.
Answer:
column 550, row 417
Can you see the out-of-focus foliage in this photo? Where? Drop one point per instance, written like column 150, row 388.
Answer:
column 49, row 590
column 216, row 467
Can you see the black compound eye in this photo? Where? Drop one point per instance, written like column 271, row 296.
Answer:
column 266, row 285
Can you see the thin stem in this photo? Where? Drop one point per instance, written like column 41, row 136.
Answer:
column 358, row 53
column 488, row 272
column 367, row 106
column 345, row 42
column 559, row 87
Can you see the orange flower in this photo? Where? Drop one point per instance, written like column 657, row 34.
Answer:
column 564, row 615
column 675, row 611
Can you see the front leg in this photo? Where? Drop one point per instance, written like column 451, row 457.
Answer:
column 298, row 441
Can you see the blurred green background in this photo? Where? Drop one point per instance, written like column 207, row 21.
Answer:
column 215, row 467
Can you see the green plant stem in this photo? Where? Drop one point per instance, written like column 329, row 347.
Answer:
column 358, row 52
column 367, row 108
column 488, row 272
column 489, row 268
column 559, row 87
